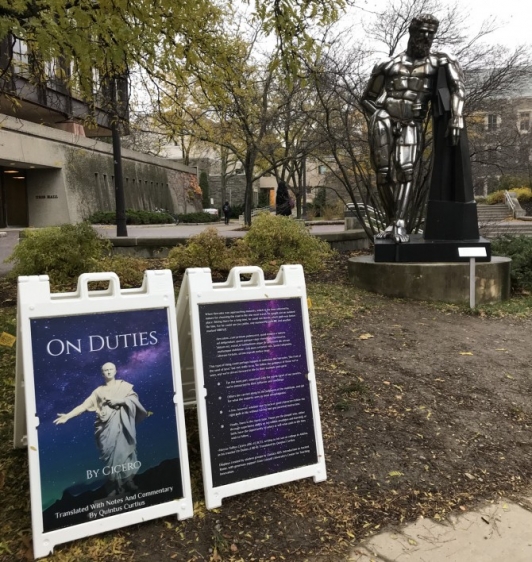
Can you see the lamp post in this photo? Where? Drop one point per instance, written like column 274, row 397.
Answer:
column 121, row 228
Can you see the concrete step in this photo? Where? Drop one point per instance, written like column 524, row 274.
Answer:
column 493, row 230
column 492, row 212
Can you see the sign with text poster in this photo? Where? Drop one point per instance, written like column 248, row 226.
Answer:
column 104, row 409
column 255, row 383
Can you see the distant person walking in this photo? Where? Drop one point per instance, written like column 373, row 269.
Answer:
column 282, row 200
column 227, row 211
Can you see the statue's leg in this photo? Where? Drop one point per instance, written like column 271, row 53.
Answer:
column 381, row 147
column 406, row 151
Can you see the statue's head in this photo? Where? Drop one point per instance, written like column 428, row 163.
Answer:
column 422, row 30
column 108, row 371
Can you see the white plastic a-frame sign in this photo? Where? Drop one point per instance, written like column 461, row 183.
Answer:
column 255, row 384
column 98, row 376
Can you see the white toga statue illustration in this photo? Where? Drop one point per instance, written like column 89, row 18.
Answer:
column 117, row 409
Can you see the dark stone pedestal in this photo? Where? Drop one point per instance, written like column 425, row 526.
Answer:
column 419, row 250
column 451, row 220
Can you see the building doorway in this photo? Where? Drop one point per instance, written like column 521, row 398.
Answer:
column 14, row 198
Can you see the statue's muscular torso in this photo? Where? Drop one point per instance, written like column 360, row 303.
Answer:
column 403, row 86
column 408, row 87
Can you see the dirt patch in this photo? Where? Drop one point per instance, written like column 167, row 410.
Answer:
column 424, row 410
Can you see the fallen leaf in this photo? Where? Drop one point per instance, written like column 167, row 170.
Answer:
column 412, row 542
column 365, row 336
column 8, row 340
column 395, row 473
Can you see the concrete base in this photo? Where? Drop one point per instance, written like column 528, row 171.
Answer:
column 447, row 282
column 346, row 241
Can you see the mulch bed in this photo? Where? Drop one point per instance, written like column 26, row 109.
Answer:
column 425, row 410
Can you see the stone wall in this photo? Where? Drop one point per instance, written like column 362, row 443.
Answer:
column 235, row 190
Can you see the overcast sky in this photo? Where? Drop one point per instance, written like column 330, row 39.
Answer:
column 513, row 17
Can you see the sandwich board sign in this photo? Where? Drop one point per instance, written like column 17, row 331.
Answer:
column 99, row 406
column 250, row 351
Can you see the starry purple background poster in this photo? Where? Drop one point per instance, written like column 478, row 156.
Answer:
column 259, row 409
column 68, row 355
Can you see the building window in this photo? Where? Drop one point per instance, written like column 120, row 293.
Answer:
column 492, row 122
column 20, row 57
column 524, row 121
column 322, row 169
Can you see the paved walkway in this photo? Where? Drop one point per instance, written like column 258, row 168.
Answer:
column 8, row 241
column 495, row 532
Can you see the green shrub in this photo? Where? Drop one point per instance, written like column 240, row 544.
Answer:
column 61, row 252
column 103, row 217
column 130, row 270
column 149, row 217
column 320, row 202
column 333, row 211
column 207, row 249
column 204, row 185
column 495, row 197
column 274, row 240
column 524, row 194
column 198, row 218
column 237, row 210
column 512, row 182
column 133, row 216
column 519, row 248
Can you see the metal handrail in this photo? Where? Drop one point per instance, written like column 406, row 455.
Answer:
column 509, row 201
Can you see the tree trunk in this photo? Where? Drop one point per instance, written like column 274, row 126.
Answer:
column 249, row 166
column 248, row 200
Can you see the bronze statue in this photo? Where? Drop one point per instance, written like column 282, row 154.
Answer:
column 396, row 101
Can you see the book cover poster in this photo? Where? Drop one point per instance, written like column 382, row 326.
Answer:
column 259, row 408
column 107, row 432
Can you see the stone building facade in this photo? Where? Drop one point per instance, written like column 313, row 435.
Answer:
column 50, row 177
